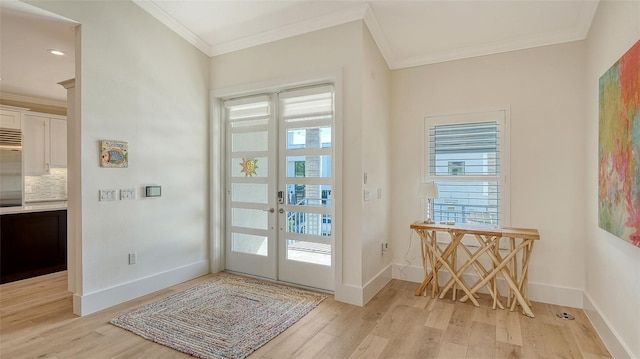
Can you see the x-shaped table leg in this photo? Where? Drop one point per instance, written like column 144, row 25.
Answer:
column 485, row 245
column 442, row 259
column 428, row 240
column 500, row 266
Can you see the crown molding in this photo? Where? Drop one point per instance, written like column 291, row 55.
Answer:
column 67, row 84
column 363, row 11
column 379, row 37
column 15, row 108
column 580, row 32
column 33, row 100
column 169, row 21
column 24, row 9
column 354, row 13
column 491, row 49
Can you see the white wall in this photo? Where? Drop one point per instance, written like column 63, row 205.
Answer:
column 319, row 55
column 141, row 83
column 138, row 82
column 543, row 88
column 348, row 50
column 376, row 162
column 612, row 288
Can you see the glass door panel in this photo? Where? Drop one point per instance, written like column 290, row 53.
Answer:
column 249, row 141
column 279, row 186
column 251, row 219
column 250, row 244
column 306, row 173
column 250, row 192
column 309, row 166
column 309, row 252
column 309, row 195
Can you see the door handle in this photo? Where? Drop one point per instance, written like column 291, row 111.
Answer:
column 281, row 211
column 271, row 210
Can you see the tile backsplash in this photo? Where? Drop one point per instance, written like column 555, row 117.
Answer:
column 46, row 187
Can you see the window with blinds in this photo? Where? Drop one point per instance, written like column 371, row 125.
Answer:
column 465, row 158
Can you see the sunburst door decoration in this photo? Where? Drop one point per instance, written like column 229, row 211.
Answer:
column 619, row 148
column 249, row 166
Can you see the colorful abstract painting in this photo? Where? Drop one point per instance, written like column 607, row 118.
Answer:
column 619, row 148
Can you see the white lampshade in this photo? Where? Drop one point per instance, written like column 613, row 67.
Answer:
column 429, row 190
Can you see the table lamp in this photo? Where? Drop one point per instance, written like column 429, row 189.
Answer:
column 429, row 191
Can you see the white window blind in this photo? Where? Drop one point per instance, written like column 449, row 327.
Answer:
column 307, row 104
column 465, row 157
column 248, row 111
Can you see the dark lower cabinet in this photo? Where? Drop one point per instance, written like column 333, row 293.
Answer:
column 32, row 244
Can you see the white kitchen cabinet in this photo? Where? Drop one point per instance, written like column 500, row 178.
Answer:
column 10, row 119
column 36, row 149
column 45, row 143
column 58, row 142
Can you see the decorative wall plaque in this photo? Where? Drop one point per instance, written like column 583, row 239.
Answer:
column 114, row 154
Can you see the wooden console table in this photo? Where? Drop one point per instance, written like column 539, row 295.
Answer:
column 511, row 260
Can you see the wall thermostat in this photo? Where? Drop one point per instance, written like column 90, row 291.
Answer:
column 153, row 191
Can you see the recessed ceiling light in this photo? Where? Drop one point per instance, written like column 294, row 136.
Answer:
column 56, row 52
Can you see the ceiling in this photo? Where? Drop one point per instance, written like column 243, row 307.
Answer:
column 408, row 33
column 26, row 68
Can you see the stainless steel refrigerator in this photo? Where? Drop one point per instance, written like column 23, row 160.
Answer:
column 10, row 167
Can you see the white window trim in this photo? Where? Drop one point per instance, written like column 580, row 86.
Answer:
column 505, row 149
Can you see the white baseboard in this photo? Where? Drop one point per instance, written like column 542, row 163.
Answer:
column 568, row 297
column 564, row 296
column 409, row 273
column 376, row 284
column 349, row 294
column 93, row 302
column 611, row 339
column 356, row 295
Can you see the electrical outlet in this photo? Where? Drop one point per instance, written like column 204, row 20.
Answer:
column 107, row 195
column 385, row 247
column 126, row 194
column 133, row 258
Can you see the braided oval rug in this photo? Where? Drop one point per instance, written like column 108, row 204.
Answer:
column 227, row 317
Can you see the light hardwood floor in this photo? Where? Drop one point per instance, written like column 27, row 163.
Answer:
column 37, row 322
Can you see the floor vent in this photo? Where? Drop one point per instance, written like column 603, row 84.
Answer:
column 565, row 316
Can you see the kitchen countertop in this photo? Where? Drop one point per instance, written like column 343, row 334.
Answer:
column 35, row 207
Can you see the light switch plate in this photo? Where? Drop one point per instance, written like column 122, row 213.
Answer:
column 127, row 194
column 107, row 195
column 153, row 191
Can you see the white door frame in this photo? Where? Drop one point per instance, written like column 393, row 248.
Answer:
column 218, row 173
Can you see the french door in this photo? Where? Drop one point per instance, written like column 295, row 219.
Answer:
column 279, row 186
